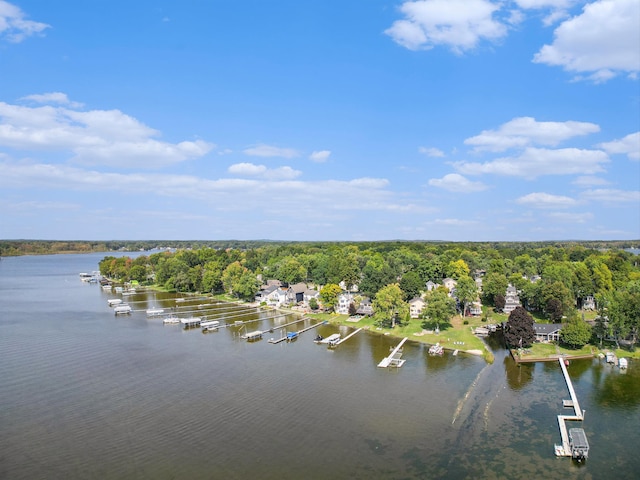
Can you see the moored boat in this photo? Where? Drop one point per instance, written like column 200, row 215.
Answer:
column 436, row 349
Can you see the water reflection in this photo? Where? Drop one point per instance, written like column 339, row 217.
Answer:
column 518, row 374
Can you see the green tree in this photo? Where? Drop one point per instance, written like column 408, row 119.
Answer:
column 576, row 333
column 439, row 309
column 493, row 284
column 246, row 286
column 389, row 305
column 329, row 295
column 519, row 332
column 411, row 285
column 466, row 291
column 231, row 275
column 291, row 270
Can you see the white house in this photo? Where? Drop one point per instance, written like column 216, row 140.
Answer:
column 344, row 300
column 450, row 283
column 511, row 299
column 416, row 306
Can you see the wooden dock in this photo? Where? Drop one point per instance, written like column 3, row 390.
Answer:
column 335, row 344
column 394, row 360
column 283, row 338
column 564, row 449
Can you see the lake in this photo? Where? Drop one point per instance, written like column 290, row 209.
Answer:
column 87, row 394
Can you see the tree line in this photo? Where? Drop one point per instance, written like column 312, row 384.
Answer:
column 553, row 280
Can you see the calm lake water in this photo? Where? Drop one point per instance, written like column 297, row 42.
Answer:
column 85, row 394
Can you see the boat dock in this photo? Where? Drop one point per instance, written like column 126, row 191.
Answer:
column 296, row 334
column 191, row 322
column 394, row 360
column 335, row 344
column 574, row 441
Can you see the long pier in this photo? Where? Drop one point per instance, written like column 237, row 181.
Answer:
column 564, row 449
column 282, row 339
column 346, row 338
column 394, row 358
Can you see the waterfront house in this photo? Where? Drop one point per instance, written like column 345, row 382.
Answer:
column 344, row 300
column 511, row 299
column 295, row 293
column 547, row 332
column 475, row 308
column 365, row 307
column 416, row 306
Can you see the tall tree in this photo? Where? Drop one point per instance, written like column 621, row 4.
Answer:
column 576, row 333
column 519, row 332
column 411, row 285
column 389, row 304
column 329, row 295
column 466, row 291
column 439, row 309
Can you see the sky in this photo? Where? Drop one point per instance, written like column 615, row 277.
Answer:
column 320, row 120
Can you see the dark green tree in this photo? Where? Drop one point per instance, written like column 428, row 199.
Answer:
column 519, row 332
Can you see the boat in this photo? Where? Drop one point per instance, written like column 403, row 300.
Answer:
column 172, row 319
column 623, row 363
column 106, row 287
column 436, row 349
column 292, row 336
column 330, row 340
column 131, row 291
column 252, row 336
column 211, row 325
column 191, row 322
column 112, row 302
column 122, row 309
column 579, row 444
column 153, row 312
column 455, row 352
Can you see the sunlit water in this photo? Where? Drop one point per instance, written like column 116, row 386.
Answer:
column 86, row 394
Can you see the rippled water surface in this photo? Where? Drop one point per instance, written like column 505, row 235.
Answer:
column 86, row 394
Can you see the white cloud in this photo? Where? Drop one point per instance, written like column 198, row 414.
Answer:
column 611, row 195
column 629, row 145
column 589, row 180
column 536, row 162
column 602, row 41
column 458, row 24
column 282, row 173
column 566, row 217
column 53, row 97
column 14, row 26
column 454, row 182
column 270, row 151
column 252, row 170
column 279, row 192
column 95, row 137
column 431, row 151
column 546, row 200
column 320, row 156
column 453, row 222
column 524, row 131
column 247, row 169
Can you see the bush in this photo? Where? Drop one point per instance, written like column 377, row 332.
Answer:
column 466, row 322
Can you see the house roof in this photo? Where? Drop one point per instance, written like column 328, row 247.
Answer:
column 546, row 328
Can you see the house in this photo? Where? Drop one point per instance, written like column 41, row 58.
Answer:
column 475, row 308
column 547, row 332
column 365, row 307
column 277, row 297
column 295, row 293
column 309, row 294
column 450, row 283
column 264, row 292
column 430, row 286
column 511, row 299
column 589, row 303
column 344, row 300
column 416, row 306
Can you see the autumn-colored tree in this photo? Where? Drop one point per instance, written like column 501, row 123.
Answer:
column 519, row 330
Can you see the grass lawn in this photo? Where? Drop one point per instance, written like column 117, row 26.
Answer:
column 453, row 336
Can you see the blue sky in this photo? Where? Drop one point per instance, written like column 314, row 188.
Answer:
column 457, row 120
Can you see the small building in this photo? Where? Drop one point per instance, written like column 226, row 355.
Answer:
column 416, row 306
column 365, row 307
column 547, row 332
column 589, row 303
column 430, row 286
column 475, row 308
